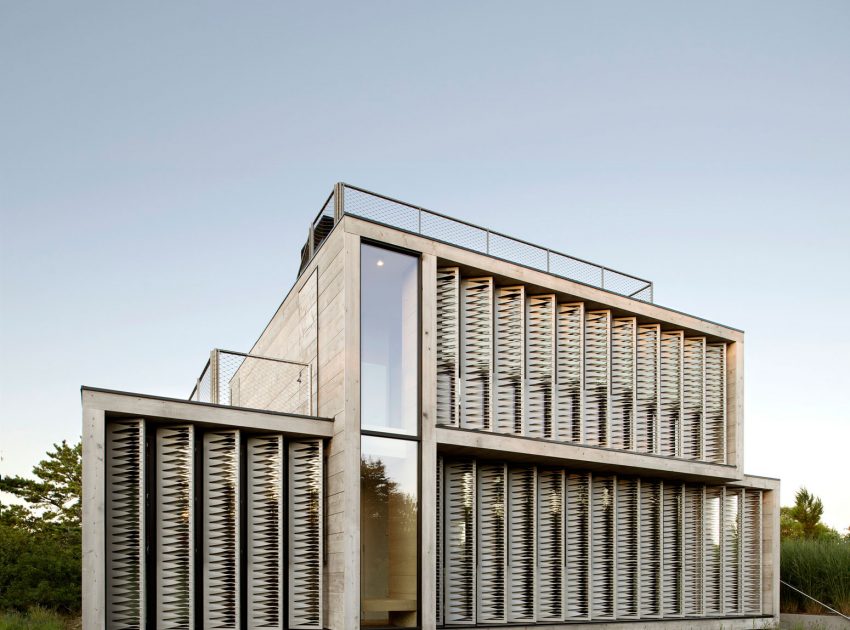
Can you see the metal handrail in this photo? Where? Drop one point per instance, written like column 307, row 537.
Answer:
column 489, row 231
column 258, row 356
column 212, row 364
column 813, row 599
column 602, row 269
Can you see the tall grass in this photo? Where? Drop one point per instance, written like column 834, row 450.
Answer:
column 35, row 619
column 819, row 568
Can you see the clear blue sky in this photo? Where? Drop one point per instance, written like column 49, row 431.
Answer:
column 160, row 162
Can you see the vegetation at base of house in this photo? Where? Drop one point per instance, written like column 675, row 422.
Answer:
column 820, row 568
column 814, row 558
column 41, row 540
column 39, row 619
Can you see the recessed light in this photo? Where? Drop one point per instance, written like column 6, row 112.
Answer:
column 380, row 263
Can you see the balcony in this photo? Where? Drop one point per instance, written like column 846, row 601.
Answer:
column 363, row 204
column 237, row 379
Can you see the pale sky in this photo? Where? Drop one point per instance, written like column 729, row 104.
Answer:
column 160, row 163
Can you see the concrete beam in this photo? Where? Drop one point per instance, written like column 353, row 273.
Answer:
column 154, row 407
column 483, row 444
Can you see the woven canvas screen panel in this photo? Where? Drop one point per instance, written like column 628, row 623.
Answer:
column 236, row 522
column 534, row 545
column 515, row 362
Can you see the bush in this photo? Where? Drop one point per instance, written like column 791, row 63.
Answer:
column 40, row 568
column 820, row 568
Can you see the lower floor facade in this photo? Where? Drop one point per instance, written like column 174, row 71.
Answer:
column 198, row 516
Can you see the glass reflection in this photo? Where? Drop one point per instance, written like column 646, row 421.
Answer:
column 389, row 497
column 389, row 334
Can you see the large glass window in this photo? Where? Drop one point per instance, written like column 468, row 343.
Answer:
column 389, row 339
column 389, row 504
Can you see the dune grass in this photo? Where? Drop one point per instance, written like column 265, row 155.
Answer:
column 819, row 568
column 38, row 619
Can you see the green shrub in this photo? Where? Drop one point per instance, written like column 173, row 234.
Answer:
column 40, row 568
column 820, row 568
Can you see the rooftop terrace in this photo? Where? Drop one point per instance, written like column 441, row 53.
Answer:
column 363, row 204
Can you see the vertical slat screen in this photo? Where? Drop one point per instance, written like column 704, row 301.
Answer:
column 646, row 384
column 650, row 548
column 550, row 545
column 125, row 524
column 175, row 523
column 671, row 393
column 623, row 353
column 459, row 559
column 492, row 547
column 672, row 585
column 540, row 365
column 221, row 529
column 440, row 510
column 305, row 535
column 476, row 352
column 448, row 344
column 628, row 548
column 199, row 485
column 713, row 550
column 752, row 551
column 570, row 366
column 715, row 403
column 264, row 531
column 732, row 552
column 597, row 364
column 510, row 360
column 522, row 564
column 693, row 565
column 693, row 380
column 578, row 545
column 602, row 552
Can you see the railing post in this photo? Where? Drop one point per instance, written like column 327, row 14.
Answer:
column 488, row 241
column 310, row 392
column 339, row 202
column 214, row 355
column 603, row 277
column 548, row 258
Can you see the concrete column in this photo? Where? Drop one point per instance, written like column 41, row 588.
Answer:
column 349, row 440
column 735, row 405
column 94, row 521
column 770, row 552
column 428, row 492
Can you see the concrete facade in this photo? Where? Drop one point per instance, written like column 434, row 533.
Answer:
column 318, row 323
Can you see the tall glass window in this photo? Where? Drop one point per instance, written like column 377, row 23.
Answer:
column 389, row 447
column 389, row 340
column 389, row 505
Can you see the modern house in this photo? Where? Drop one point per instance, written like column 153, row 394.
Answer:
column 440, row 426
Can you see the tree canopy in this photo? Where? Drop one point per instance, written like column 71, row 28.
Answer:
column 803, row 519
column 40, row 538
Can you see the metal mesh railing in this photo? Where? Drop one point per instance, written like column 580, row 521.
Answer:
column 243, row 380
column 323, row 223
column 403, row 216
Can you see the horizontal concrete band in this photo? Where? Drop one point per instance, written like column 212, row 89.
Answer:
column 172, row 409
column 484, row 444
